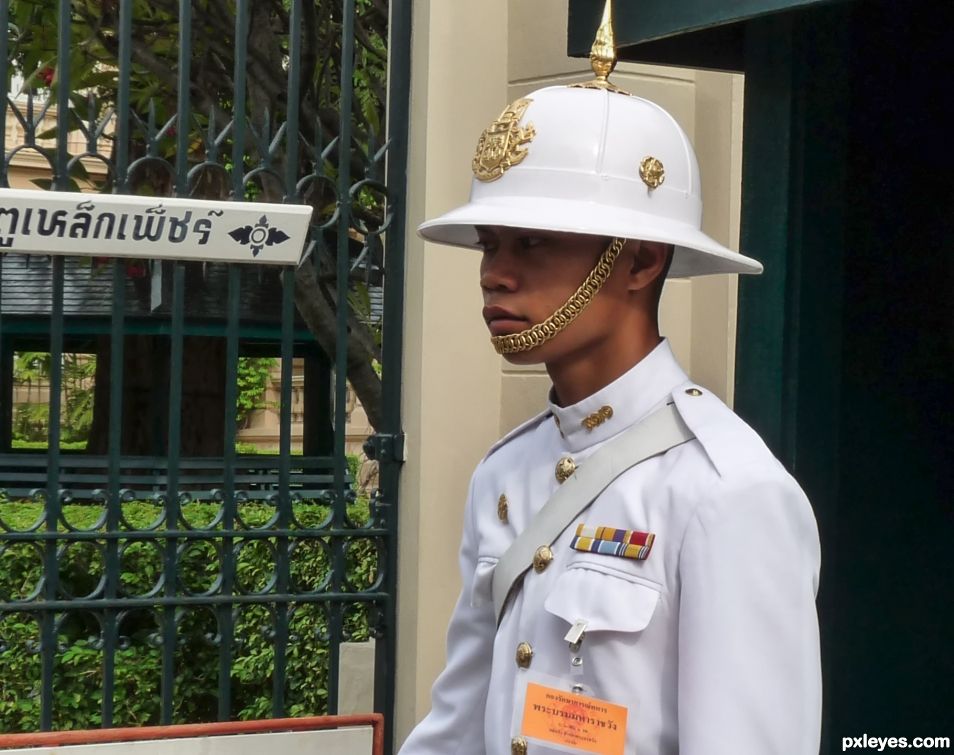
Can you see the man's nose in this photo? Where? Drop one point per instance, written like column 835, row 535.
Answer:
column 498, row 270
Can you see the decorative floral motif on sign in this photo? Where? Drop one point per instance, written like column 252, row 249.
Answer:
column 258, row 236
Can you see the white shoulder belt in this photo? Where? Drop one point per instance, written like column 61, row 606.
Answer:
column 662, row 430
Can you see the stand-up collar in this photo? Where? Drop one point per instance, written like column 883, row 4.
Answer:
column 623, row 402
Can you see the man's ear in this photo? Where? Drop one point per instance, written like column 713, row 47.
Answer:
column 648, row 260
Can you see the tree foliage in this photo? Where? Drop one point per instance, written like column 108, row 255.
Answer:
column 252, row 376
column 93, row 79
column 31, row 370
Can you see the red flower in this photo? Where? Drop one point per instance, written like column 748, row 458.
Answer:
column 46, row 74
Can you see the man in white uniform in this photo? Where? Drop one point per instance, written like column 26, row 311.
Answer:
column 675, row 612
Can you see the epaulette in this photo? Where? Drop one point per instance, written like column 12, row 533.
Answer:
column 727, row 440
column 518, row 430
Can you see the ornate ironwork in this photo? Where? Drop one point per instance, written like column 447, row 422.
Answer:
column 194, row 570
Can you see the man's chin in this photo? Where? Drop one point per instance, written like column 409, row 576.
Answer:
column 531, row 356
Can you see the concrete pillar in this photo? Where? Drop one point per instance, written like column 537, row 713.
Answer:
column 451, row 374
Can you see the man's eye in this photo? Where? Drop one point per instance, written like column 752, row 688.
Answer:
column 528, row 242
column 486, row 245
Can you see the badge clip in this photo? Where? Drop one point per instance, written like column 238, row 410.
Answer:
column 575, row 635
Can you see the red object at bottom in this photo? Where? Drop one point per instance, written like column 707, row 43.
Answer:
column 220, row 728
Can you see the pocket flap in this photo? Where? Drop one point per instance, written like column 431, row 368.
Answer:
column 606, row 601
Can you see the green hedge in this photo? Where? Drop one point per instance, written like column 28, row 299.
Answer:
column 42, row 445
column 138, row 661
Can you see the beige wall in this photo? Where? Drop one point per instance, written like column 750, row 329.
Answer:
column 459, row 396
column 450, row 376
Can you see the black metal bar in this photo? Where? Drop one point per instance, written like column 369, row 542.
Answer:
column 240, row 99
column 292, row 129
column 4, row 88
column 399, row 86
column 282, row 565
column 284, row 499
column 6, row 364
column 170, row 576
column 114, row 495
column 49, row 607
column 53, row 502
column 6, row 382
column 123, row 111
column 343, row 260
column 341, row 342
column 224, row 613
column 183, row 108
column 61, row 178
column 190, row 535
column 39, row 326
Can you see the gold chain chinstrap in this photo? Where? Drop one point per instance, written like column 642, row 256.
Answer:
column 558, row 321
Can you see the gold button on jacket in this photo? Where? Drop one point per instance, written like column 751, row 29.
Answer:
column 524, row 654
column 564, row 468
column 503, row 509
column 542, row 558
column 518, row 746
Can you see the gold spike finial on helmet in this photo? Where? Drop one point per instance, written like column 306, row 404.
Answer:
column 603, row 53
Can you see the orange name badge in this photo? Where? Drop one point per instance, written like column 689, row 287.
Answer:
column 572, row 721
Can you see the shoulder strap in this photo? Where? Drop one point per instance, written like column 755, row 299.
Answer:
column 662, row 430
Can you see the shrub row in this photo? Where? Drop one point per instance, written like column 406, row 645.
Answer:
column 80, row 656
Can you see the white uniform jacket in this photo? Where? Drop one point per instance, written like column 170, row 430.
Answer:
column 710, row 641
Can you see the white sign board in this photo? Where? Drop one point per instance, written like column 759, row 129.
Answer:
column 356, row 740
column 114, row 225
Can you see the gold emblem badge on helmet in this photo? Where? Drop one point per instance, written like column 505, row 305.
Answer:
column 652, row 172
column 499, row 147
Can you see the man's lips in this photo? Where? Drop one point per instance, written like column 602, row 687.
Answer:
column 501, row 321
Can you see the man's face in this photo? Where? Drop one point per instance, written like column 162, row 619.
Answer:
column 526, row 275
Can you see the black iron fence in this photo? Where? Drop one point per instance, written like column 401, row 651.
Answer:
column 152, row 573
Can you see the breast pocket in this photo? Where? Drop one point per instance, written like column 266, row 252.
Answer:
column 607, row 599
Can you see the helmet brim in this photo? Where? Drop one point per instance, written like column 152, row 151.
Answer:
column 695, row 252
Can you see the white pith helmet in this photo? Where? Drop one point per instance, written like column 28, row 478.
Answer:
column 591, row 159
column 588, row 168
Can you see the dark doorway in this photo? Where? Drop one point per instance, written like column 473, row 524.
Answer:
column 890, row 595
column 846, row 344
